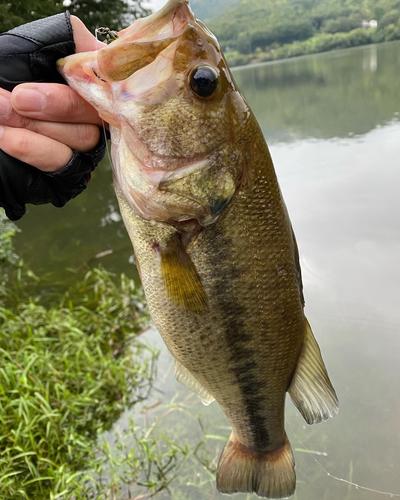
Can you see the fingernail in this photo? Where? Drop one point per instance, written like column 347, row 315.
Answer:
column 5, row 106
column 1, row 131
column 29, row 100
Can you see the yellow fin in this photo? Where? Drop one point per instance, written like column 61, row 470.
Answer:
column 311, row 390
column 186, row 378
column 180, row 277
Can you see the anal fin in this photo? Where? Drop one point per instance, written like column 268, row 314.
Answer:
column 186, row 378
column 311, row 390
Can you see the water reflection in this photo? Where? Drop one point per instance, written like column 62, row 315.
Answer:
column 333, row 124
column 54, row 239
column 347, row 221
column 370, row 59
column 327, row 95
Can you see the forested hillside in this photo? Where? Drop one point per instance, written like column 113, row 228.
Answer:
column 265, row 26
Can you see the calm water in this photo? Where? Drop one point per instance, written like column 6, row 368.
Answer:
column 333, row 124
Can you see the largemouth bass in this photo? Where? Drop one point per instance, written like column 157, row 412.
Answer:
column 212, row 238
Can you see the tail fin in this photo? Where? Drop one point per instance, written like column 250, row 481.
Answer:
column 269, row 475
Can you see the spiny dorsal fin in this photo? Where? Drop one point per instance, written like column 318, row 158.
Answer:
column 186, row 378
column 311, row 390
column 180, row 277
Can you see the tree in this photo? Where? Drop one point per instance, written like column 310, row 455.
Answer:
column 14, row 13
column 114, row 14
column 390, row 17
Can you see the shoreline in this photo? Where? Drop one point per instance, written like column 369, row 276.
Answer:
column 304, row 56
column 253, row 62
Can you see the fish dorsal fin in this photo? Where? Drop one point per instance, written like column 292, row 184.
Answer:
column 186, row 378
column 180, row 277
column 311, row 390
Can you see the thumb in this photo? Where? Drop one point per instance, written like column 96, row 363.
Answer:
column 84, row 40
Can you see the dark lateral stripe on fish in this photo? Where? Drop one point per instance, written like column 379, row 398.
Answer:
column 237, row 341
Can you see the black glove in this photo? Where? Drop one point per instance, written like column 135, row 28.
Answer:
column 29, row 53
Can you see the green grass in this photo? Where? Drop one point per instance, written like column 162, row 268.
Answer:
column 70, row 364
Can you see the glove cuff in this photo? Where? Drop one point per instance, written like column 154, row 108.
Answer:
column 21, row 183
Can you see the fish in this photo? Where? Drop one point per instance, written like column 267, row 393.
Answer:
column 212, row 238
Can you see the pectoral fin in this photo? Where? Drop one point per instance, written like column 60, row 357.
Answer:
column 186, row 378
column 180, row 277
column 311, row 390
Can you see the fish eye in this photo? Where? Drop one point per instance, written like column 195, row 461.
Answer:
column 204, row 81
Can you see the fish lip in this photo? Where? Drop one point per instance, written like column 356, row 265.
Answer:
column 135, row 33
column 162, row 175
column 160, row 180
column 190, row 168
column 155, row 162
column 174, row 167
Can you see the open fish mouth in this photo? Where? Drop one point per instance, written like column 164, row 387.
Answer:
column 174, row 157
column 137, row 46
column 141, row 43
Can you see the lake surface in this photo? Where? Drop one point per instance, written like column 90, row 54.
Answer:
column 333, row 125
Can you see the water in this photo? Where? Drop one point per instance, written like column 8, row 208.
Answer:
column 333, row 125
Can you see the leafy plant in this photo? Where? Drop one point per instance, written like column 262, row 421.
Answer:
column 8, row 257
column 114, row 14
column 70, row 365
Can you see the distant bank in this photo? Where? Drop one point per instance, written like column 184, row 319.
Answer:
column 321, row 42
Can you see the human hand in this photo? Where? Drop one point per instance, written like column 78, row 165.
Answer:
column 41, row 123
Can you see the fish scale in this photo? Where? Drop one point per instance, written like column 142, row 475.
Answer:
column 243, row 325
column 212, row 237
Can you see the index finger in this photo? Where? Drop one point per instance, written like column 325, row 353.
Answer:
column 53, row 102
